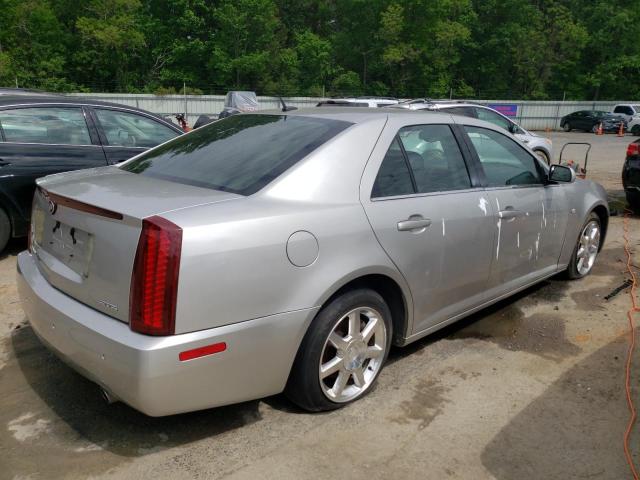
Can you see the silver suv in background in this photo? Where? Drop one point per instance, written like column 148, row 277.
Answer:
column 371, row 102
column 541, row 146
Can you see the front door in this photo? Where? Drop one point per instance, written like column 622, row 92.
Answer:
column 431, row 220
column 39, row 141
column 529, row 217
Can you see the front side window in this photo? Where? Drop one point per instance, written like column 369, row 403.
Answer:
column 46, row 125
column 239, row 154
column 124, row 129
column 493, row 117
column 505, row 163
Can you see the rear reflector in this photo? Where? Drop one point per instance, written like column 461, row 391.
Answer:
column 633, row 149
column 154, row 281
column 202, row 351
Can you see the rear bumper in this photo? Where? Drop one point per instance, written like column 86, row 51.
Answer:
column 145, row 371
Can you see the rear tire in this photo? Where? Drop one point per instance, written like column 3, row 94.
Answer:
column 636, row 130
column 5, row 229
column 586, row 250
column 342, row 353
column 566, row 127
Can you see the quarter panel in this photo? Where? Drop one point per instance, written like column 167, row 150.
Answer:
column 235, row 267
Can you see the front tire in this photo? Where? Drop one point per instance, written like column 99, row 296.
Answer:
column 636, row 130
column 5, row 229
column 586, row 250
column 566, row 127
column 342, row 353
column 542, row 156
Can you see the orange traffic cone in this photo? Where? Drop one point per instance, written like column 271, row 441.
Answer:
column 599, row 130
column 621, row 130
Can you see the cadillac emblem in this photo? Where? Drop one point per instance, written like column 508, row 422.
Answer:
column 53, row 206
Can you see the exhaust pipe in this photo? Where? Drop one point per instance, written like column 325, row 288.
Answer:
column 107, row 397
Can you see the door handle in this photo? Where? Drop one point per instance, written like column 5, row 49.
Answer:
column 414, row 223
column 510, row 213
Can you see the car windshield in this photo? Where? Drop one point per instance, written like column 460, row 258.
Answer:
column 240, row 154
column 598, row 113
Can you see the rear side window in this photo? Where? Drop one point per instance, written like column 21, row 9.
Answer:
column 393, row 177
column 504, row 162
column 435, row 158
column 422, row 159
column 124, row 129
column 50, row 125
column 464, row 111
column 493, row 117
column 240, row 154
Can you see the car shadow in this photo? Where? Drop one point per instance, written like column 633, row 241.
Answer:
column 574, row 429
column 501, row 322
column 117, row 428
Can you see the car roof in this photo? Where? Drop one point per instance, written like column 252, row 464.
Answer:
column 26, row 100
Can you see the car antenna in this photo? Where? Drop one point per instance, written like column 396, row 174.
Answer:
column 286, row 108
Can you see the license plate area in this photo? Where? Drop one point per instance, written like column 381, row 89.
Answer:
column 69, row 245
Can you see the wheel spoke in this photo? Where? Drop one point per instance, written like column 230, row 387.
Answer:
column 373, row 352
column 340, row 383
column 581, row 252
column 369, row 328
column 358, row 377
column 354, row 324
column 337, row 341
column 330, row 367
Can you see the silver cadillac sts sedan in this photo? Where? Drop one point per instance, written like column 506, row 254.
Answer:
column 287, row 251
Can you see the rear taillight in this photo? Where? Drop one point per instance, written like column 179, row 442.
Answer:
column 633, row 149
column 154, row 281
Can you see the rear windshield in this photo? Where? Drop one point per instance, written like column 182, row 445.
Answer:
column 239, row 154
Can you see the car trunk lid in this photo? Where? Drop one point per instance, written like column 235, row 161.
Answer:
column 86, row 226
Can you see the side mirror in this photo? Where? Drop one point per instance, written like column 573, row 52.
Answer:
column 561, row 174
column 513, row 128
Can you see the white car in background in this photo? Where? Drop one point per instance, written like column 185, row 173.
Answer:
column 631, row 113
column 541, row 146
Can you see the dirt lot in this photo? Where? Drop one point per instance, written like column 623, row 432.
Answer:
column 530, row 389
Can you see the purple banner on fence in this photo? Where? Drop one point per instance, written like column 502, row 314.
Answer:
column 507, row 109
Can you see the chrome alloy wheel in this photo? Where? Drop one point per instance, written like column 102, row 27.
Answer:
column 588, row 247
column 352, row 354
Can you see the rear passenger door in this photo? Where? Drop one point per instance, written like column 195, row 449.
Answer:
column 42, row 140
column 530, row 216
column 430, row 218
column 125, row 134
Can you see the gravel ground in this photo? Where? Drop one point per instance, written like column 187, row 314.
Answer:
column 531, row 388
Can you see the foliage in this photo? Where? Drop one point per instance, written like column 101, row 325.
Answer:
column 540, row 49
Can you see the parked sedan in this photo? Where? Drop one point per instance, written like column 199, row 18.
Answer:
column 631, row 175
column 589, row 120
column 41, row 135
column 287, row 251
